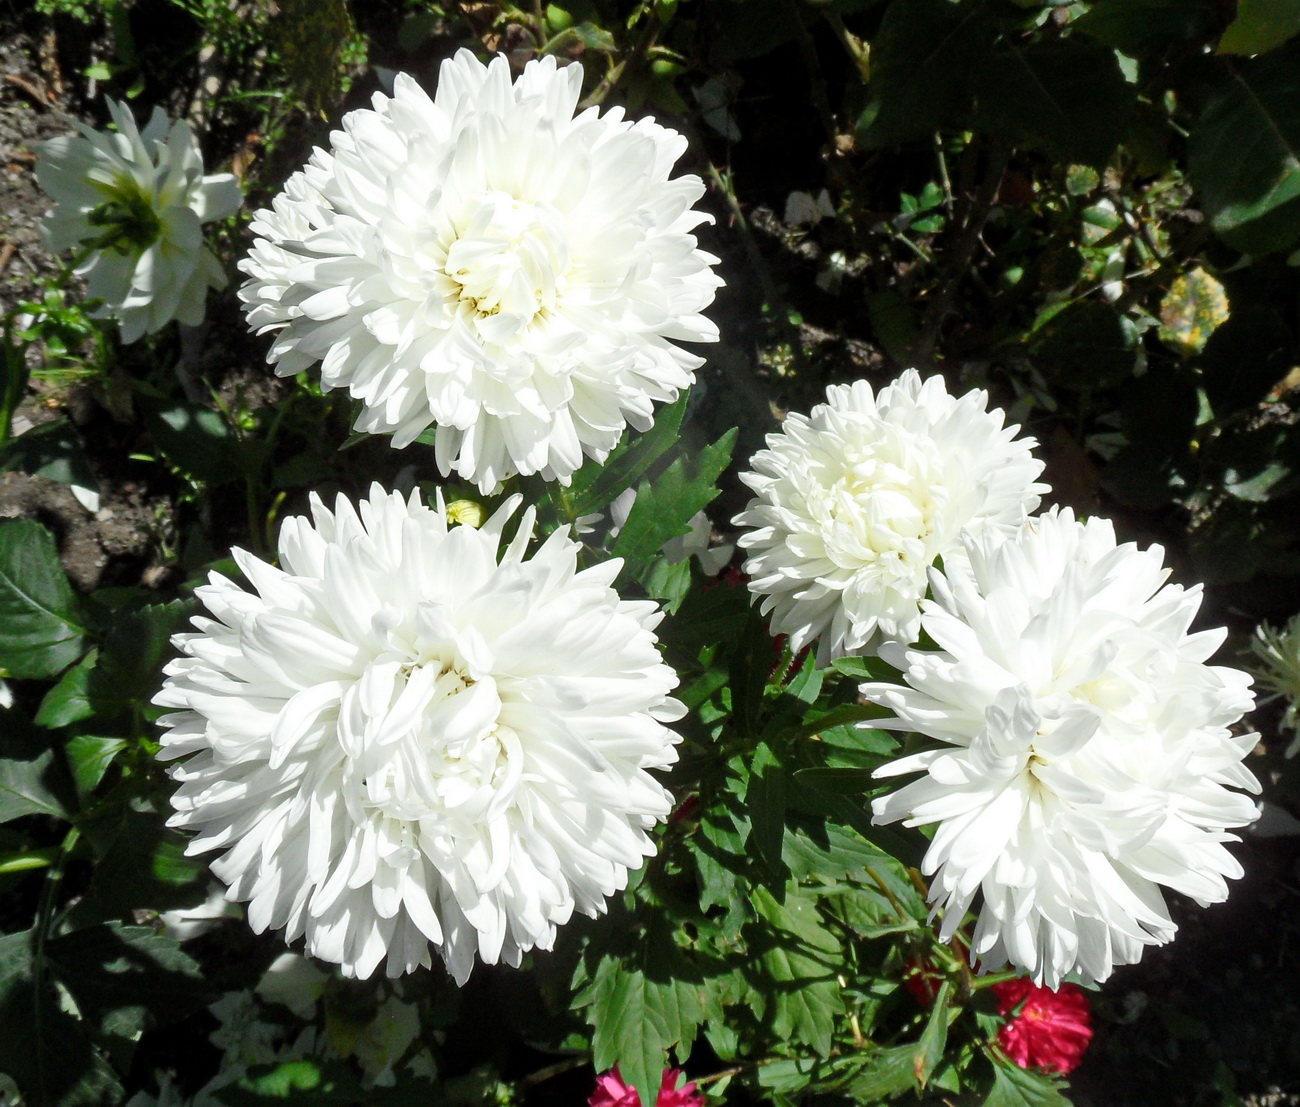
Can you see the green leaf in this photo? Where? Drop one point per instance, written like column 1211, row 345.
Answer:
column 1260, row 26
column 33, row 778
column 142, row 865
column 126, row 979
column 1136, row 26
column 642, row 1002
column 129, row 671
column 1017, row 1087
column 766, row 800
column 1244, row 154
column 1245, row 358
column 889, row 1072
column 922, row 59
column 929, row 1048
column 309, row 1081
column 42, row 1047
column 595, row 486
column 89, row 757
column 54, row 451
column 664, row 509
column 1066, row 97
column 67, row 702
column 803, row 958
column 199, row 442
column 40, row 635
column 1087, row 346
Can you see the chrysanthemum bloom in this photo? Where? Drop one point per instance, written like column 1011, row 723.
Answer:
column 1051, row 1031
column 856, row 501
column 487, row 262
column 1278, row 654
column 134, row 202
column 408, row 735
column 611, row 1091
column 1085, row 757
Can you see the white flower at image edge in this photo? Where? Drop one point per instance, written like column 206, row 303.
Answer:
column 1085, row 759
column 854, row 502
column 409, row 736
column 137, row 199
column 487, row 262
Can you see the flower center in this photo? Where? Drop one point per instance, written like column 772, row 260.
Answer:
column 127, row 216
column 509, row 261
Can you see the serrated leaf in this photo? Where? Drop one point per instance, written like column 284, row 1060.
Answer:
column 889, row 1072
column 596, row 486
column 664, row 508
column 40, row 634
column 803, row 958
column 1017, row 1087
column 637, row 1017
column 1244, row 153
column 929, row 1048
column 67, row 702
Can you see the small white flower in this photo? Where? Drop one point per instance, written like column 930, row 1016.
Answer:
column 1086, row 757
column 856, row 501
column 1278, row 670
column 487, row 262
column 137, row 199
column 408, row 735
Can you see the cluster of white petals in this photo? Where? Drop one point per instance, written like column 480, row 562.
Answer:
column 136, row 200
column 1085, row 756
column 410, row 735
column 489, row 262
column 854, row 502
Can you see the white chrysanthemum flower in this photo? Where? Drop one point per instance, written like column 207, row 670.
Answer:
column 407, row 736
column 136, row 200
column 856, row 501
column 1086, row 756
column 487, row 262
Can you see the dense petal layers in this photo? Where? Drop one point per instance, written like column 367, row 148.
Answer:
column 409, row 735
column 1084, row 755
column 137, row 200
column 487, row 262
column 854, row 502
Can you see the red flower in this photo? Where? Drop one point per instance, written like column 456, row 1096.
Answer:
column 612, row 1092
column 1051, row 1030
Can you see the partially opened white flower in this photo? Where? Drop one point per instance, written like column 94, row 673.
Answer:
column 1085, row 757
column 855, row 501
column 408, row 735
column 487, row 262
column 136, row 200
